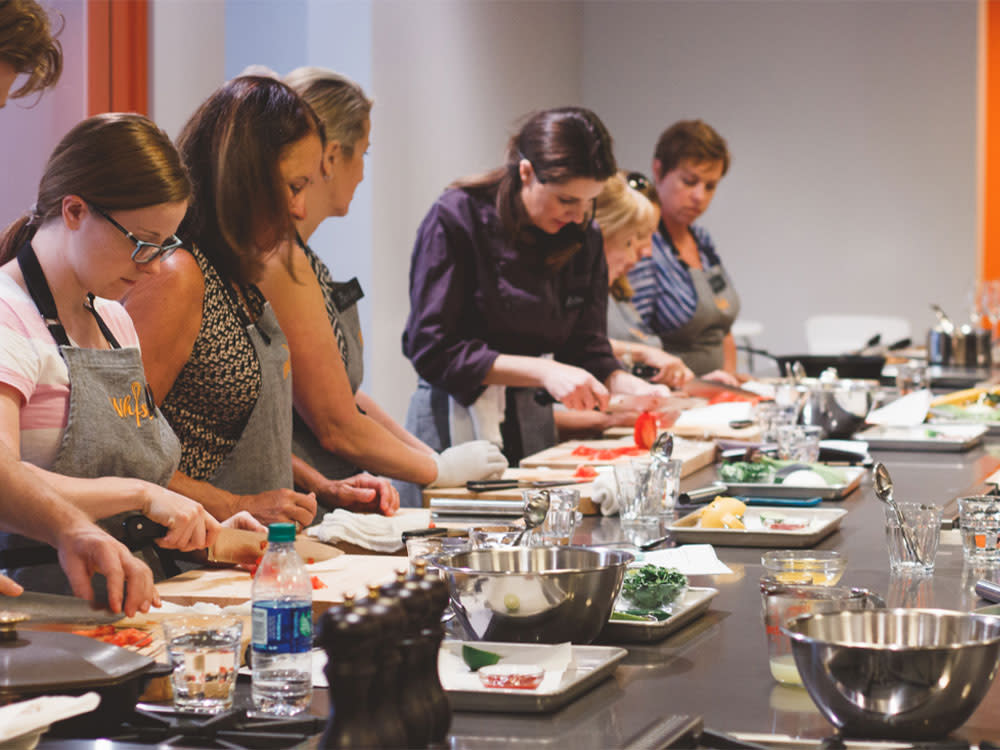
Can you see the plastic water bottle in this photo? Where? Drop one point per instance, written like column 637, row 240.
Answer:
column 282, row 627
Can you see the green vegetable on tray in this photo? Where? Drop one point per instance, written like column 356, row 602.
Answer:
column 652, row 587
column 763, row 468
column 476, row 658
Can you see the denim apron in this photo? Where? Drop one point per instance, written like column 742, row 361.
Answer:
column 113, row 427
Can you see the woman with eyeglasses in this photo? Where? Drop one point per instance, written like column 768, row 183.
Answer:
column 682, row 292
column 508, row 287
column 75, row 404
column 217, row 360
column 337, row 428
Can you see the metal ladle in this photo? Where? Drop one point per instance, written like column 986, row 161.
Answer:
column 535, row 510
column 883, row 490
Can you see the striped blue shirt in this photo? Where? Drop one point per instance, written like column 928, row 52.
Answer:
column 664, row 293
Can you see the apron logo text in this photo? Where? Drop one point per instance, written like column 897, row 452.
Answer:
column 132, row 405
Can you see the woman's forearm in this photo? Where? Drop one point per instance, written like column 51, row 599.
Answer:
column 99, row 497
column 374, row 411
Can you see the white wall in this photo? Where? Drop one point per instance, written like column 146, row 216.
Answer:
column 450, row 77
column 31, row 127
column 852, row 128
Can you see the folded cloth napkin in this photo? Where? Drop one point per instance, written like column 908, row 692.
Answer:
column 605, row 492
column 369, row 530
column 907, row 410
column 481, row 420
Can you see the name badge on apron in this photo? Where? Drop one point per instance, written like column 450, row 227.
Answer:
column 717, row 283
column 573, row 301
column 347, row 294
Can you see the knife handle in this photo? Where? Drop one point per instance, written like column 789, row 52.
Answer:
column 988, row 590
column 138, row 530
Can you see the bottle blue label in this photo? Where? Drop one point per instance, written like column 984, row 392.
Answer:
column 282, row 627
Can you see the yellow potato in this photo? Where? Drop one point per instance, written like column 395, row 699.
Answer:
column 723, row 512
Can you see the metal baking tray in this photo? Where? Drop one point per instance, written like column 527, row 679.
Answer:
column 992, row 426
column 822, row 523
column 942, row 438
column 591, row 665
column 832, row 492
column 693, row 604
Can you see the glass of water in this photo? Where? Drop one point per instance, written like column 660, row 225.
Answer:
column 205, row 656
column 979, row 518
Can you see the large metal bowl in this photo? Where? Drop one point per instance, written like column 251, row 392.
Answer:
column 534, row 594
column 909, row 674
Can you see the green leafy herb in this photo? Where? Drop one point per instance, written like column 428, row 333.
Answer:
column 745, row 472
column 477, row 658
column 652, row 587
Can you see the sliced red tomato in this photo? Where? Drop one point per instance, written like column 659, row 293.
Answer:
column 316, row 582
column 646, row 429
column 585, row 471
column 583, row 451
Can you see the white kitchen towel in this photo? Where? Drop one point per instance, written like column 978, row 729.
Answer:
column 481, row 420
column 369, row 530
column 605, row 492
column 691, row 560
column 910, row 409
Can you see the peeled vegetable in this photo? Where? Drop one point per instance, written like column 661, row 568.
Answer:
column 723, row 513
column 804, row 478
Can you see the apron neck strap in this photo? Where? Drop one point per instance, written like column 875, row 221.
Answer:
column 41, row 295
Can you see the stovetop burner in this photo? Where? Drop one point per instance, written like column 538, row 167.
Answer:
column 231, row 729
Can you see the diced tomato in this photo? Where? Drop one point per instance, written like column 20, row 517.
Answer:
column 646, row 429
column 317, row 583
column 607, row 455
column 725, row 397
column 584, row 471
column 583, row 451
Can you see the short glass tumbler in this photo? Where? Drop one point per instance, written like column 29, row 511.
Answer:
column 205, row 655
column 979, row 518
column 913, row 545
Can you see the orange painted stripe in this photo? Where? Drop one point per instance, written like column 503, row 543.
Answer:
column 990, row 255
column 118, row 56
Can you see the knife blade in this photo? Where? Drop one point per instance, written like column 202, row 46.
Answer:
column 702, row 388
column 57, row 608
column 489, row 485
column 237, row 546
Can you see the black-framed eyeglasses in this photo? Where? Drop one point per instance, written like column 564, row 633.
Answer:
column 637, row 181
column 145, row 252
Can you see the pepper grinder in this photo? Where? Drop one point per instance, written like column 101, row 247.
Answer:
column 349, row 638
column 385, row 693
column 431, row 634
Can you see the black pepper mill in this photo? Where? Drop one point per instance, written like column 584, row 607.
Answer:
column 432, row 633
column 349, row 638
column 414, row 703
column 385, row 692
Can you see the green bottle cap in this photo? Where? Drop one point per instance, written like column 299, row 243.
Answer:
column 281, row 532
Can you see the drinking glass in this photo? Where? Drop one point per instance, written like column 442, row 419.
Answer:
column 922, row 526
column 640, row 494
column 562, row 518
column 671, row 479
column 979, row 518
column 205, row 655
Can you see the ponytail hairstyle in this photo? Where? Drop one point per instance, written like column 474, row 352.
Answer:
column 114, row 161
column 233, row 145
column 338, row 101
column 28, row 45
column 561, row 144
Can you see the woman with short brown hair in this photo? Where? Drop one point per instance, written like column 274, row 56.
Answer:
column 27, row 46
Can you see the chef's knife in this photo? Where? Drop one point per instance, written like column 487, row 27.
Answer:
column 702, row 388
column 490, row 485
column 236, row 546
column 57, row 608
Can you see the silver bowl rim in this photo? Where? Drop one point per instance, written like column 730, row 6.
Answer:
column 442, row 561
column 891, row 647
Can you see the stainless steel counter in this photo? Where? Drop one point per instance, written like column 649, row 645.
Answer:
column 717, row 667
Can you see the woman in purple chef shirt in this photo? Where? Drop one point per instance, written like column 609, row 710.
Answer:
column 509, row 287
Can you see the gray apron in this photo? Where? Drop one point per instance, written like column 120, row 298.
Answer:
column 699, row 341
column 528, row 427
column 113, row 427
column 305, row 445
column 261, row 460
column 625, row 324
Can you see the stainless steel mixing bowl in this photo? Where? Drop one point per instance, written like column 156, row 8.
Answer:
column 909, row 674
column 534, row 594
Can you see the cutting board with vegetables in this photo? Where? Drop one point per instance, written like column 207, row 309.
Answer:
column 751, row 434
column 586, row 489
column 346, row 574
column 694, row 454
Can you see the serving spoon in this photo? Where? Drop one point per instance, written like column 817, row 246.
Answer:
column 663, row 448
column 535, row 510
column 883, row 490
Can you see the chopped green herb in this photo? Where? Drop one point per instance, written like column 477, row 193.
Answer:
column 477, row 658
column 652, row 587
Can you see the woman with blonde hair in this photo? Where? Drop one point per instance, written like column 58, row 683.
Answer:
column 338, row 428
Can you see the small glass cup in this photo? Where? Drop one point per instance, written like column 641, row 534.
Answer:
column 639, row 503
column 817, row 567
column 771, row 416
column 489, row 537
column 670, row 472
column 427, row 548
column 911, row 376
column 979, row 519
column 562, row 518
column 205, row 655
column 922, row 527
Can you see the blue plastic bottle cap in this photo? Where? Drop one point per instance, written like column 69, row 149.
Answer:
column 281, row 532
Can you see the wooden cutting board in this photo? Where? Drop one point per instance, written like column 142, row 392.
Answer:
column 586, row 489
column 349, row 574
column 750, row 434
column 694, row 454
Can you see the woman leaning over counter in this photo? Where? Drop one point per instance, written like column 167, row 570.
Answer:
column 507, row 268
column 216, row 358
column 337, row 428
column 70, row 367
column 682, row 292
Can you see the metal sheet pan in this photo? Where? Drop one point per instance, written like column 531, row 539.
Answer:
column 823, row 522
column 833, row 492
column 592, row 664
column 949, row 438
column 694, row 604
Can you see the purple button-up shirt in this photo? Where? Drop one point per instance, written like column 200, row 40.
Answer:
column 474, row 296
